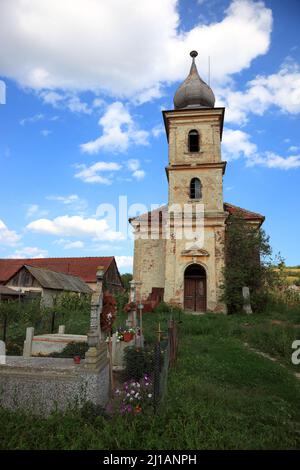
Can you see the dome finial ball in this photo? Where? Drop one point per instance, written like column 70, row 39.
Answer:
column 193, row 54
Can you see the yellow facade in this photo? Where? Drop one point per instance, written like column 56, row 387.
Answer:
column 161, row 262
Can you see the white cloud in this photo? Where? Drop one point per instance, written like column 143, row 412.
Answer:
column 65, row 100
column 32, row 119
column 119, row 131
column 77, row 106
column 8, row 237
column 294, row 148
column 33, row 210
column 45, row 132
column 68, row 244
column 75, row 44
column 73, row 201
column 157, row 130
column 124, row 261
column 51, row 97
column 236, row 144
column 272, row 160
column 134, row 166
column 281, row 89
column 65, row 199
column 75, row 226
column 29, row 252
column 139, row 174
column 91, row 174
column 78, row 244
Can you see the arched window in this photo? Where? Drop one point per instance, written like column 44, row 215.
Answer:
column 195, row 188
column 193, row 141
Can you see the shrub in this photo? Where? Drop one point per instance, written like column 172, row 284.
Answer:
column 73, row 349
column 137, row 362
column 90, row 412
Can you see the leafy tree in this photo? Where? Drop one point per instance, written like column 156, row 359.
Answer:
column 249, row 263
column 126, row 278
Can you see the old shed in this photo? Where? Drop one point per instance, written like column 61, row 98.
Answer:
column 46, row 283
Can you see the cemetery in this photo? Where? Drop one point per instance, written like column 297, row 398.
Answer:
column 149, row 237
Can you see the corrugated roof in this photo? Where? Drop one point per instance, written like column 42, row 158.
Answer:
column 85, row 268
column 58, row 281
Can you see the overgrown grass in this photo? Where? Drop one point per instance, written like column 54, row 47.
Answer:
column 221, row 395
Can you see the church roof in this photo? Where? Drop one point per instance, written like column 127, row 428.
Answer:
column 194, row 92
column 246, row 214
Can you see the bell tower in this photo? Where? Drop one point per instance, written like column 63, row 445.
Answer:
column 193, row 271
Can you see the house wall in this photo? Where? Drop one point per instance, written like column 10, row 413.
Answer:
column 112, row 279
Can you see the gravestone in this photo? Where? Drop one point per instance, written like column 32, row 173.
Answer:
column 246, row 298
column 2, row 352
column 61, row 329
column 28, row 342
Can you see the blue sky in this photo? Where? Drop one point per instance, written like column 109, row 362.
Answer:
column 82, row 124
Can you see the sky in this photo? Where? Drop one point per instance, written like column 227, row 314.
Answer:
column 83, row 84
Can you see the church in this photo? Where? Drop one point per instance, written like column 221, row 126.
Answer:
column 179, row 248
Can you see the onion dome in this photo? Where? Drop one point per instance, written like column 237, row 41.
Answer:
column 194, row 92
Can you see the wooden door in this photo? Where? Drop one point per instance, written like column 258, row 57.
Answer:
column 195, row 294
column 189, row 293
column 200, row 294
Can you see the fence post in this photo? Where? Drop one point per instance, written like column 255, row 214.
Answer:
column 4, row 327
column 52, row 322
column 156, row 375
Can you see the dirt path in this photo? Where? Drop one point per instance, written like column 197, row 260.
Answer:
column 271, row 358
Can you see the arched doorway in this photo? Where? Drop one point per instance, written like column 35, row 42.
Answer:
column 195, row 288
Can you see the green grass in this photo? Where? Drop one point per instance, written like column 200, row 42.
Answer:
column 221, row 395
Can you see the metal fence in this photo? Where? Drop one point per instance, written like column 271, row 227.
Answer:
column 165, row 356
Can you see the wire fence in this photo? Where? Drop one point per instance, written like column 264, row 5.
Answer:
column 165, row 356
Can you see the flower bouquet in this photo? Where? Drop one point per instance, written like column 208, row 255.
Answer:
column 125, row 334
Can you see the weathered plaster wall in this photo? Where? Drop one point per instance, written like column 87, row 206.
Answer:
column 149, row 264
column 177, row 262
column 208, row 129
column 212, row 187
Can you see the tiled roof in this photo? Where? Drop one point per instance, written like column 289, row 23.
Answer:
column 248, row 215
column 85, row 268
column 154, row 213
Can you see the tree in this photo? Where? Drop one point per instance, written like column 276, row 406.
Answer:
column 248, row 262
column 126, row 278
